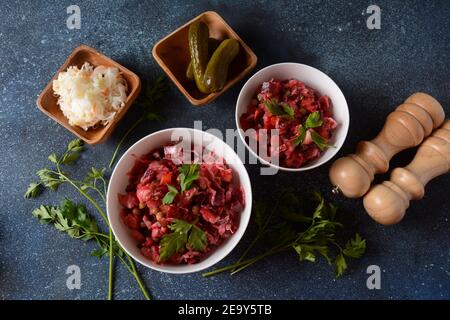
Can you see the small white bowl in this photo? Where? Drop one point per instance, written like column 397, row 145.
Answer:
column 119, row 181
column 313, row 78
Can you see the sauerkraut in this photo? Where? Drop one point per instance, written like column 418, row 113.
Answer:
column 90, row 96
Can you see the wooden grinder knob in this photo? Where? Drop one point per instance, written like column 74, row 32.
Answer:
column 405, row 127
column 386, row 203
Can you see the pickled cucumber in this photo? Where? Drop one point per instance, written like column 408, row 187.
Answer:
column 198, row 48
column 210, row 74
column 212, row 46
column 216, row 71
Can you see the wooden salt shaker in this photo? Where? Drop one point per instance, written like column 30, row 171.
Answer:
column 386, row 203
column 405, row 127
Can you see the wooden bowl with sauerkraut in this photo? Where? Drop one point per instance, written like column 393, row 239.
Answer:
column 89, row 94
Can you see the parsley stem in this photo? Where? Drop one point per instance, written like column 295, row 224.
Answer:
column 125, row 263
column 133, row 268
column 102, row 196
column 102, row 239
column 84, row 194
column 260, row 257
column 136, row 276
column 116, row 150
column 118, row 255
column 99, row 234
column 110, row 282
column 260, row 233
column 238, row 266
column 95, row 204
column 229, row 267
column 336, row 244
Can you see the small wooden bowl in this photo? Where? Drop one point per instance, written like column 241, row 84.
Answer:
column 172, row 54
column 47, row 100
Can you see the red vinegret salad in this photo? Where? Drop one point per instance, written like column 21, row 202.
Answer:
column 303, row 117
column 177, row 212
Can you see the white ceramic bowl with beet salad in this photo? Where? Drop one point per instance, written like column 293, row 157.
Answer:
column 179, row 200
column 304, row 104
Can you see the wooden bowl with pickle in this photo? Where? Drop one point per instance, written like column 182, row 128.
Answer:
column 214, row 43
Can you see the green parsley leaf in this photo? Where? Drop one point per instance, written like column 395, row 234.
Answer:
column 45, row 214
column 152, row 95
column 314, row 120
column 53, row 158
column 96, row 174
column 34, row 189
column 355, row 248
column 330, row 210
column 340, row 264
column 197, row 239
column 305, row 252
column 188, row 174
column 173, row 242
column 180, row 226
column 273, row 107
column 319, row 209
column 301, row 137
column 260, row 214
column 320, row 141
column 49, row 179
column 99, row 252
column 73, row 152
column 70, row 158
column 81, row 225
column 288, row 110
column 70, row 218
column 75, row 145
column 170, row 195
column 279, row 109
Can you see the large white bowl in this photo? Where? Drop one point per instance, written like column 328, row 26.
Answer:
column 313, row 78
column 119, row 181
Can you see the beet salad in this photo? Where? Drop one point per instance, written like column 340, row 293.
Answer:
column 177, row 212
column 303, row 117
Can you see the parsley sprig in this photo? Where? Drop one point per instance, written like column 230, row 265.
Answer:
column 277, row 108
column 74, row 219
column 170, row 195
column 307, row 227
column 183, row 233
column 313, row 120
column 70, row 218
column 188, row 174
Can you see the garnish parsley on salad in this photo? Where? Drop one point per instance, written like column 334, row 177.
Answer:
column 180, row 212
column 303, row 117
column 89, row 96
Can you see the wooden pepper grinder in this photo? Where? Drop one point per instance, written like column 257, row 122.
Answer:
column 405, row 127
column 386, row 203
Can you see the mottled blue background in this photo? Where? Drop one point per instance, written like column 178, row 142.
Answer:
column 375, row 69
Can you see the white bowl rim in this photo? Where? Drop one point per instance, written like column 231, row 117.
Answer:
column 237, row 236
column 316, row 164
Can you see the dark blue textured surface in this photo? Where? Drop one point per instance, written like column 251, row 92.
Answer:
column 375, row 69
